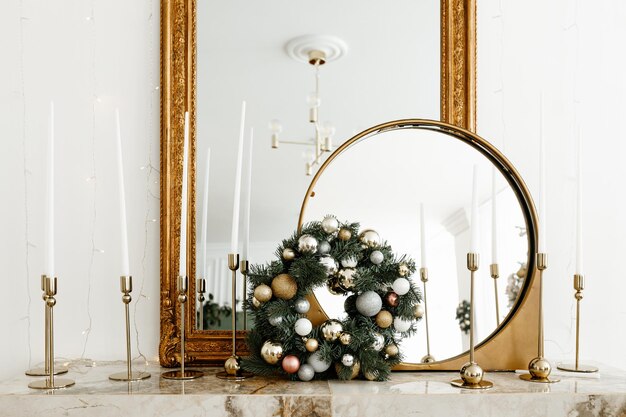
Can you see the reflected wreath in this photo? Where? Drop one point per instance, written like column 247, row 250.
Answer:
column 381, row 305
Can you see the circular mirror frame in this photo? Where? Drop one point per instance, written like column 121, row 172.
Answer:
column 512, row 344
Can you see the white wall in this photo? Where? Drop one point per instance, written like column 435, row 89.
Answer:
column 89, row 57
column 571, row 52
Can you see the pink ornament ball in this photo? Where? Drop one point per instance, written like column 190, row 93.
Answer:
column 291, row 364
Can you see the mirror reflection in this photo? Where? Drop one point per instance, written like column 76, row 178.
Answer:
column 388, row 69
column 382, row 182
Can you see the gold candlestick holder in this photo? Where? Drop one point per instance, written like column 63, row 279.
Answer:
column 539, row 368
column 232, row 367
column 50, row 290
column 182, row 373
column 126, row 286
column 579, row 286
column 201, row 287
column 58, row 370
column 428, row 358
column 244, row 273
column 495, row 274
column 471, row 373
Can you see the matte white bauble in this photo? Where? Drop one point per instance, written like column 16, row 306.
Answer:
column 377, row 257
column 303, row 326
column 349, row 262
column 319, row 365
column 369, row 303
column 401, row 325
column 306, row 372
column 401, row 286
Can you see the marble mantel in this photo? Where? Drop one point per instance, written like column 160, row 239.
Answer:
column 405, row 394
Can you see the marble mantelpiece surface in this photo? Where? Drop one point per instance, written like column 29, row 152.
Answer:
column 405, row 394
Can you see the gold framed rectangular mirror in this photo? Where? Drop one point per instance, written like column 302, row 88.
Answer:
column 457, row 64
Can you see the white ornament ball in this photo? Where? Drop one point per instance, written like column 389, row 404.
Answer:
column 347, row 360
column 303, row 326
column 319, row 365
column 323, row 248
column 330, row 224
column 401, row 325
column 379, row 342
column 369, row 303
column 377, row 257
column 349, row 262
column 275, row 320
column 401, row 286
column 302, row 305
column 306, row 372
column 329, row 264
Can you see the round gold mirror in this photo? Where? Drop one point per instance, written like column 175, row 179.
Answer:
column 382, row 176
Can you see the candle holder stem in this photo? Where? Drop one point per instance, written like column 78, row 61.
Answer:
column 424, row 278
column 50, row 290
column 579, row 286
column 539, row 368
column 182, row 373
column 495, row 274
column 244, row 273
column 201, row 284
column 471, row 373
column 232, row 367
column 126, row 286
column 58, row 370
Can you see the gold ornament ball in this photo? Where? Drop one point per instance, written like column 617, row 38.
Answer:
column 232, row 365
column 403, row 270
column 371, row 375
column 311, row 345
column 392, row 350
column 256, row 303
column 334, row 287
column 370, row 238
column 284, row 286
column 418, row 310
column 471, row 373
column 344, row 234
column 271, row 352
column 263, row 293
column 345, row 339
column 356, row 367
column 384, row 319
column 539, row 368
column 289, row 254
column 522, row 271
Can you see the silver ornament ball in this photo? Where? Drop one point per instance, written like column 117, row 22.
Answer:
column 347, row 360
column 330, row 224
column 302, row 305
column 303, row 326
column 329, row 264
column 318, row 364
column 377, row 257
column 379, row 342
column 370, row 238
column 401, row 286
column 289, row 254
column 275, row 320
column 323, row 248
column 369, row 303
column 307, row 244
column 306, row 372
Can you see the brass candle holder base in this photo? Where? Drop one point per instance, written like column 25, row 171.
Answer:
column 182, row 375
column 428, row 359
column 572, row 367
column 58, row 370
column 539, row 371
column 134, row 376
column 57, row 384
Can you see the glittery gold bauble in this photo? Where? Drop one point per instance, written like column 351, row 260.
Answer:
column 384, row 319
column 345, row 339
column 344, row 234
column 256, row 303
column 370, row 238
column 392, row 350
column 356, row 367
column 284, row 286
column 288, row 254
column 263, row 293
column 418, row 310
column 331, row 330
column 232, row 365
column 271, row 352
column 311, row 345
column 371, row 375
column 403, row 270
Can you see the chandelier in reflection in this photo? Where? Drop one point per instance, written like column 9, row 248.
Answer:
column 316, row 51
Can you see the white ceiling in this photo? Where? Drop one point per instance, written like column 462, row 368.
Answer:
column 391, row 71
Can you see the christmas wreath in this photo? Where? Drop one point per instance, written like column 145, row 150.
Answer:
column 381, row 305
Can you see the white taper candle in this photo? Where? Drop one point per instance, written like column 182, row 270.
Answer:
column 182, row 265
column 205, row 216
column 237, row 189
column 474, row 235
column 579, row 208
column 542, row 184
column 422, row 237
column 122, row 197
column 49, row 253
column 494, row 218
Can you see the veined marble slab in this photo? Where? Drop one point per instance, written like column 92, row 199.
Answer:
column 407, row 393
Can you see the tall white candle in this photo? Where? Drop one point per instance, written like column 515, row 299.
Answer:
column 237, row 189
column 474, row 235
column 542, row 184
column 182, row 265
column 205, row 215
column 423, row 237
column 579, row 209
column 49, row 254
column 122, row 195
column 494, row 218
column 246, row 201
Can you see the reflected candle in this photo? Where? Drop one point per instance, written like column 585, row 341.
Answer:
column 246, row 201
column 182, row 264
column 422, row 236
column 205, row 215
column 237, row 190
column 494, row 217
column 474, row 236
column 120, row 186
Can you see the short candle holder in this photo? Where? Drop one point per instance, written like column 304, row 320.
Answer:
column 539, row 368
column 182, row 373
column 232, row 367
column 126, row 286
column 579, row 286
column 58, row 370
column 50, row 290
column 428, row 358
column 495, row 274
column 471, row 373
column 201, row 289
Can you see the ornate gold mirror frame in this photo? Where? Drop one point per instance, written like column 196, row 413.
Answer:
column 178, row 94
